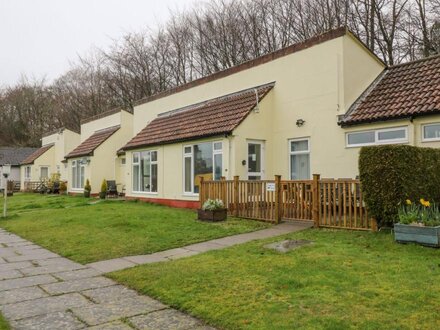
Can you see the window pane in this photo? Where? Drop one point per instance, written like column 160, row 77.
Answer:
column 300, row 167
column 188, row 174
column 299, row 145
column 202, row 163
column 153, row 177
column 145, row 171
column 218, row 166
column 135, row 177
column 254, row 157
column 431, row 132
column 391, row 135
column 217, row 146
column 154, row 156
column 136, row 157
column 360, row 138
column 187, row 150
column 74, row 175
column 81, row 182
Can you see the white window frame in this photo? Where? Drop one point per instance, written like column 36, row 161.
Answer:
column 376, row 137
column 302, row 152
column 138, row 163
column 75, row 164
column 191, row 155
column 423, row 133
column 27, row 173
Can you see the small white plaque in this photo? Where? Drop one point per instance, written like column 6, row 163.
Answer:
column 270, row 186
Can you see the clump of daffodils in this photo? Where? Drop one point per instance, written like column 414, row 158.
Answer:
column 423, row 213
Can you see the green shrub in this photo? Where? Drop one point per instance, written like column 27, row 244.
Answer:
column 104, row 186
column 393, row 173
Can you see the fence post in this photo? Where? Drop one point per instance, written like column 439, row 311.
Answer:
column 315, row 199
column 223, row 189
column 278, row 204
column 236, row 195
column 201, row 192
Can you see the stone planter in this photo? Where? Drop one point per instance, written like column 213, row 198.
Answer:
column 216, row 215
column 429, row 236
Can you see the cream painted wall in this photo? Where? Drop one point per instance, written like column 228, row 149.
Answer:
column 87, row 129
column 104, row 164
column 64, row 142
column 316, row 84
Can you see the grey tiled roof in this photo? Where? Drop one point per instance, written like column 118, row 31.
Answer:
column 14, row 155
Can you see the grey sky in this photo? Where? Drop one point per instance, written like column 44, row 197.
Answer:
column 39, row 37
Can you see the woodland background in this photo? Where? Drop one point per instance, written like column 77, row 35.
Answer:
column 202, row 41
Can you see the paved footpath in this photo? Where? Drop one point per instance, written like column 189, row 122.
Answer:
column 193, row 249
column 41, row 290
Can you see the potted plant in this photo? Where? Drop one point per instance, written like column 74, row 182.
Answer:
column 63, row 187
column 418, row 223
column 212, row 210
column 87, row 189
column 103, row 192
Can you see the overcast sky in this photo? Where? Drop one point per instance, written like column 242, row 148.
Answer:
column 39, row 37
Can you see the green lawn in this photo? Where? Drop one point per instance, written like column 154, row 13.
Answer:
column 85, row 233
column 3, row 324
column 345, row 280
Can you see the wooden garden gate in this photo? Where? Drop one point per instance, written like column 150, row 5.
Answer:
column 333, row 203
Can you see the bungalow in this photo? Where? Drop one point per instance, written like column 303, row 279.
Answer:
column 95, row 158
column 48, row 159
column 304, row 109
column 12, row 156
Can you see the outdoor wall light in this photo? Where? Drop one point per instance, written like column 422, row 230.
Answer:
column 6, row 170
column 300, row 122
column 243, row 162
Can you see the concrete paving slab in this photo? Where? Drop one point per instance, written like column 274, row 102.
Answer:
column 204, row 246
column 145, row 259
column 55, row 268
column 187, row 253
column 117, row 325
column 18, row 295
column 26, row 281
column 168, row 319
column 43, row 306
column 104, row 313
column 111, row 265
column 77, row 285
column 77, row 274
column 16, row 265
column 7, row 274
column 51, row 321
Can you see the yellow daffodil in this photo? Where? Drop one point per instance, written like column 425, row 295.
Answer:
column 427, row 204
column 408, row 202
column 422, row 201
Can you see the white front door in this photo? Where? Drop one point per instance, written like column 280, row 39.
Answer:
column 255, row 160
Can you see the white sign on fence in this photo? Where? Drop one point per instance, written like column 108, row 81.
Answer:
column 270, row 186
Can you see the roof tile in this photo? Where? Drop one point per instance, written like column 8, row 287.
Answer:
column 403, row 91
column 209, row 118
column 94, row 141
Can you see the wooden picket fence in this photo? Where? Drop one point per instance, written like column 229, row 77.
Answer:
column 327, row 202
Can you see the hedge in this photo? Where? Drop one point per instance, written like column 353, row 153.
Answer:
column 393, row 173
